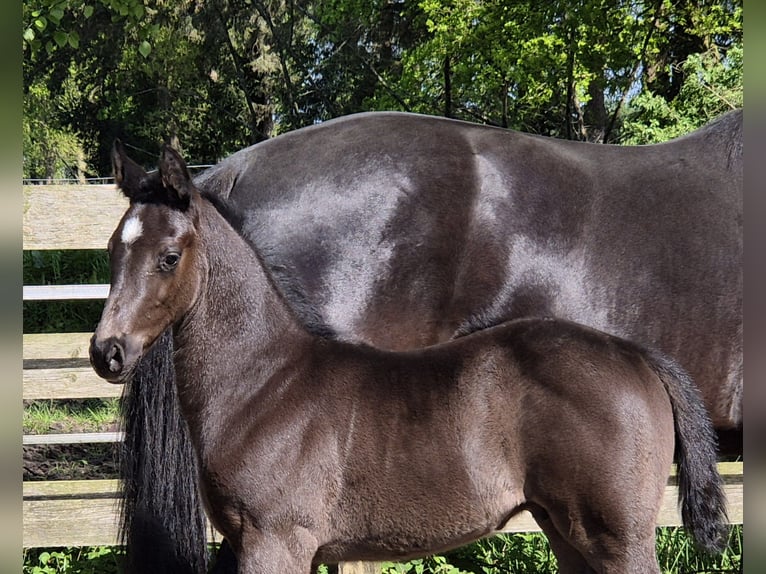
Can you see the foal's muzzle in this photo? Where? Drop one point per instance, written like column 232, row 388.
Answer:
column 110, row 359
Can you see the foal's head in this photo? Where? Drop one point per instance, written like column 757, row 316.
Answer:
column 155, row 269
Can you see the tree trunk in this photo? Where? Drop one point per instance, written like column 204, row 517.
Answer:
column 447, row 87
column 595, row 116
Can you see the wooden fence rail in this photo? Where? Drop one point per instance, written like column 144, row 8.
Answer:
column 55, row 366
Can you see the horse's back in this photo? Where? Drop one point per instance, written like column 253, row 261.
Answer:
column 424, row 222
column 576, row 386
column 531, row 413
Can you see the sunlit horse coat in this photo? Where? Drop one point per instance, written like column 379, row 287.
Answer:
column 400, row 229
column 311, row 450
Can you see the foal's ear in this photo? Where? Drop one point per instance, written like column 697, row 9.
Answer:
column 128, row 175
column 175, row 176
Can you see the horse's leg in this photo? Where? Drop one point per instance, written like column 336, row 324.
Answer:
column 225, row 560
column 629, row 556
column 276, row 553
column 590, row 542
column 570, row 561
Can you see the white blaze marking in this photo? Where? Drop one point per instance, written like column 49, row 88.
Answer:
column 132, row 230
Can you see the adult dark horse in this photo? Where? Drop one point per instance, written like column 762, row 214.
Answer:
column 400, row 228
column 301, row 440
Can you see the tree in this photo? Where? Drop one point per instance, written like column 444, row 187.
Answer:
column 145, row 74
column 219, row 75
column 698, row 85
column 52, row 151
column 563, row 68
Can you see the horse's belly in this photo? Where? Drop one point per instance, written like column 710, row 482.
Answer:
column 395, row 547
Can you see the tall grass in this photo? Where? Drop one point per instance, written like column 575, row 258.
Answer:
column 504, row 554
column 530, row 553
column 676, row 553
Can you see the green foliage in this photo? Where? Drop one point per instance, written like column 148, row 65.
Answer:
column 676, row 553
column 502, row 60
column 51, row 25
column 560, row 68
column 63, row 268
column 144, row 74
column 518, row 553
column 52, row 150
column 504, row 554
column 87, row 560
column 432, row 564
column 217, row 76
column 61, row 316
column 712, row 85
column 530, row 553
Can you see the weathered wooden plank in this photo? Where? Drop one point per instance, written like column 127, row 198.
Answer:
column 669, row 513
column 83, row 489
column 671, row 516
column 56, row 366
column 70, row 513
column 66, row 383
column 70, row 522
column 731, row 472
column 73, row 513
column 84, row 512
column 64, row 292
column 70, row 216
column 72, row 438
column 44, row 346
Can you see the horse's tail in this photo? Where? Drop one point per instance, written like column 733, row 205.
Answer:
column 162, row 523
column 700, row 487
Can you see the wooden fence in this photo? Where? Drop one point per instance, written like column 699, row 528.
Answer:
column 84, row 512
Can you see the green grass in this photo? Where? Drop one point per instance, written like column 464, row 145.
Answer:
column 530, row 554
column 58, row 416
column 70, row 461
column 504, row 554
column 676, row 553
column 67, row 266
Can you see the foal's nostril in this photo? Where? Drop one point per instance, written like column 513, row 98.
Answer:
column 109, row 357
column 115, row 358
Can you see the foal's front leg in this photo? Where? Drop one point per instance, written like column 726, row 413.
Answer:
column 267, row 552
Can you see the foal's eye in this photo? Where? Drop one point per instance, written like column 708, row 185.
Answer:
column 169, row 261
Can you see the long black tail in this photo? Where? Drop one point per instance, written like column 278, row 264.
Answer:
column 700, row 487
column 163, row 525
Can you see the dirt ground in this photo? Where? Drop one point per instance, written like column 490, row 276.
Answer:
column 70, row 461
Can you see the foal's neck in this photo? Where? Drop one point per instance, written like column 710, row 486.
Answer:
column 241, row 296
column 236, row 336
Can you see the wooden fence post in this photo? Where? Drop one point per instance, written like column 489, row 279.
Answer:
column 359, row 568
